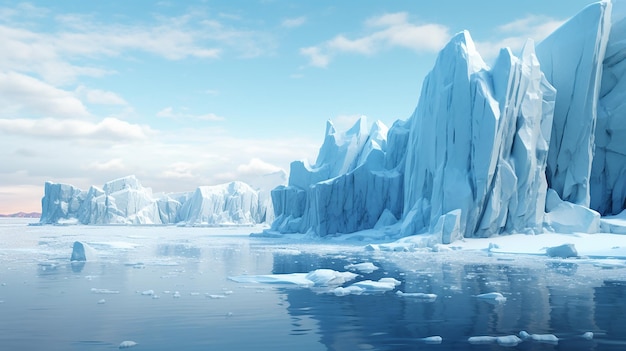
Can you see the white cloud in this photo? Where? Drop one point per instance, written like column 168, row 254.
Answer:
column 316, row 57
column 182, row 170
column 169, row 112
column 108, row 129
column 58, row 55
column 293, row 22
column 257, row 166
column 115, row 164
column 28, row 94
column 384, row 32
column 100, row 97
column 515, row 34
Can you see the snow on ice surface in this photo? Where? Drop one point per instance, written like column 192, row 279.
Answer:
column 317, row 278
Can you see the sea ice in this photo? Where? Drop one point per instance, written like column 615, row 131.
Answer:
column 127, row 344
column 563, row 251
column 365, row 267
column 494, row 297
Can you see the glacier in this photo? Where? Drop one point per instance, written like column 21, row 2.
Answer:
column 532, row 144
column 125, row 201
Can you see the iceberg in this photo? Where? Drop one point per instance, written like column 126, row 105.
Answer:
column 572, row 57
column 487, row 151
column 125, row 201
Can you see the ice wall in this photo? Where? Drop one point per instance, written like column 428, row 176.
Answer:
column 608, row 174
column 125, row 201
column 478, row 143
column 571, row 58
column 348, row 188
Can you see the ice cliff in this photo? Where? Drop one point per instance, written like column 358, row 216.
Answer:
column 126, row 201
column 533, row 143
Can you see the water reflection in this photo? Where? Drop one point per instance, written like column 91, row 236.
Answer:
column 545, row 298
column 178, row 250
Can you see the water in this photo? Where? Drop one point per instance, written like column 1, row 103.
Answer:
column 48, row 303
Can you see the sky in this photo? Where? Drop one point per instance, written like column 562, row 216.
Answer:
column 190, row 93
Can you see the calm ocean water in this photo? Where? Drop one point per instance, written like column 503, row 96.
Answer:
column 167, row 288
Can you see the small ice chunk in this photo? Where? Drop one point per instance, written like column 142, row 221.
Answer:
column 587, row 336
column 365, row 267
column 563, row 251
column 127, row 344
column 508, row 340
column 492, row 297
column 545, row 338
column 147, row 292
column 104, row 291
column 102, row 301
column 481, row 340
column 215, row 296
column 194, row 293
column 82, row 252
column 433, row 340
column 422, row 296
column 176, row 295
column 155, row 296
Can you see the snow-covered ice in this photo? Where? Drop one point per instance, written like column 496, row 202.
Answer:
column 126, row 201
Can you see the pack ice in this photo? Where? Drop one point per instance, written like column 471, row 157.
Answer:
column 126, row 201
column 533, row 143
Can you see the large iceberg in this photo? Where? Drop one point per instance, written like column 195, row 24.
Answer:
column 485, row 148
column 126, row 201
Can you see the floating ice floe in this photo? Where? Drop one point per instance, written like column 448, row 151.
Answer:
column 432, row 340
column 319, row 277
column 507, row 340
column 147, row 292
column 544, row 338
column 367, row 287
column 127, row 344
column 562, row 251
column 421, row 296
column 587, row 335
column 83, row 252
column 102, row 301
column 104, row 291
column 365, row 267
column 493, row 297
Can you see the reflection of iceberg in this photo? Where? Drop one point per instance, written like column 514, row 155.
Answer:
column 378, row 320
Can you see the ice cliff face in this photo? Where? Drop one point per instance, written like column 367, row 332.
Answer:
column 347, row 189
column 478, row 144
column 571, row 58
column 608, row 173
column 126, row 201
column 485, row 148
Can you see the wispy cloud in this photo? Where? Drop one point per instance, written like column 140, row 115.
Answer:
column 383, row 32
column 293, row 22
column 100, row 97
column 169, row 112
column 109, row 128
column 26, row 94
column 57, row 54
column 515, row 34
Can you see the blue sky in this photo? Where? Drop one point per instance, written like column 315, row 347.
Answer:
column 189, row 93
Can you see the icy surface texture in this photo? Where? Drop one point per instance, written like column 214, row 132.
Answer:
column 125, row 201
column 608, row 189
column 478, row 142
column 348, row 188
column 571, row 59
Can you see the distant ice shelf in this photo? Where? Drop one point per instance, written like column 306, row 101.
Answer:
column 125, row 201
